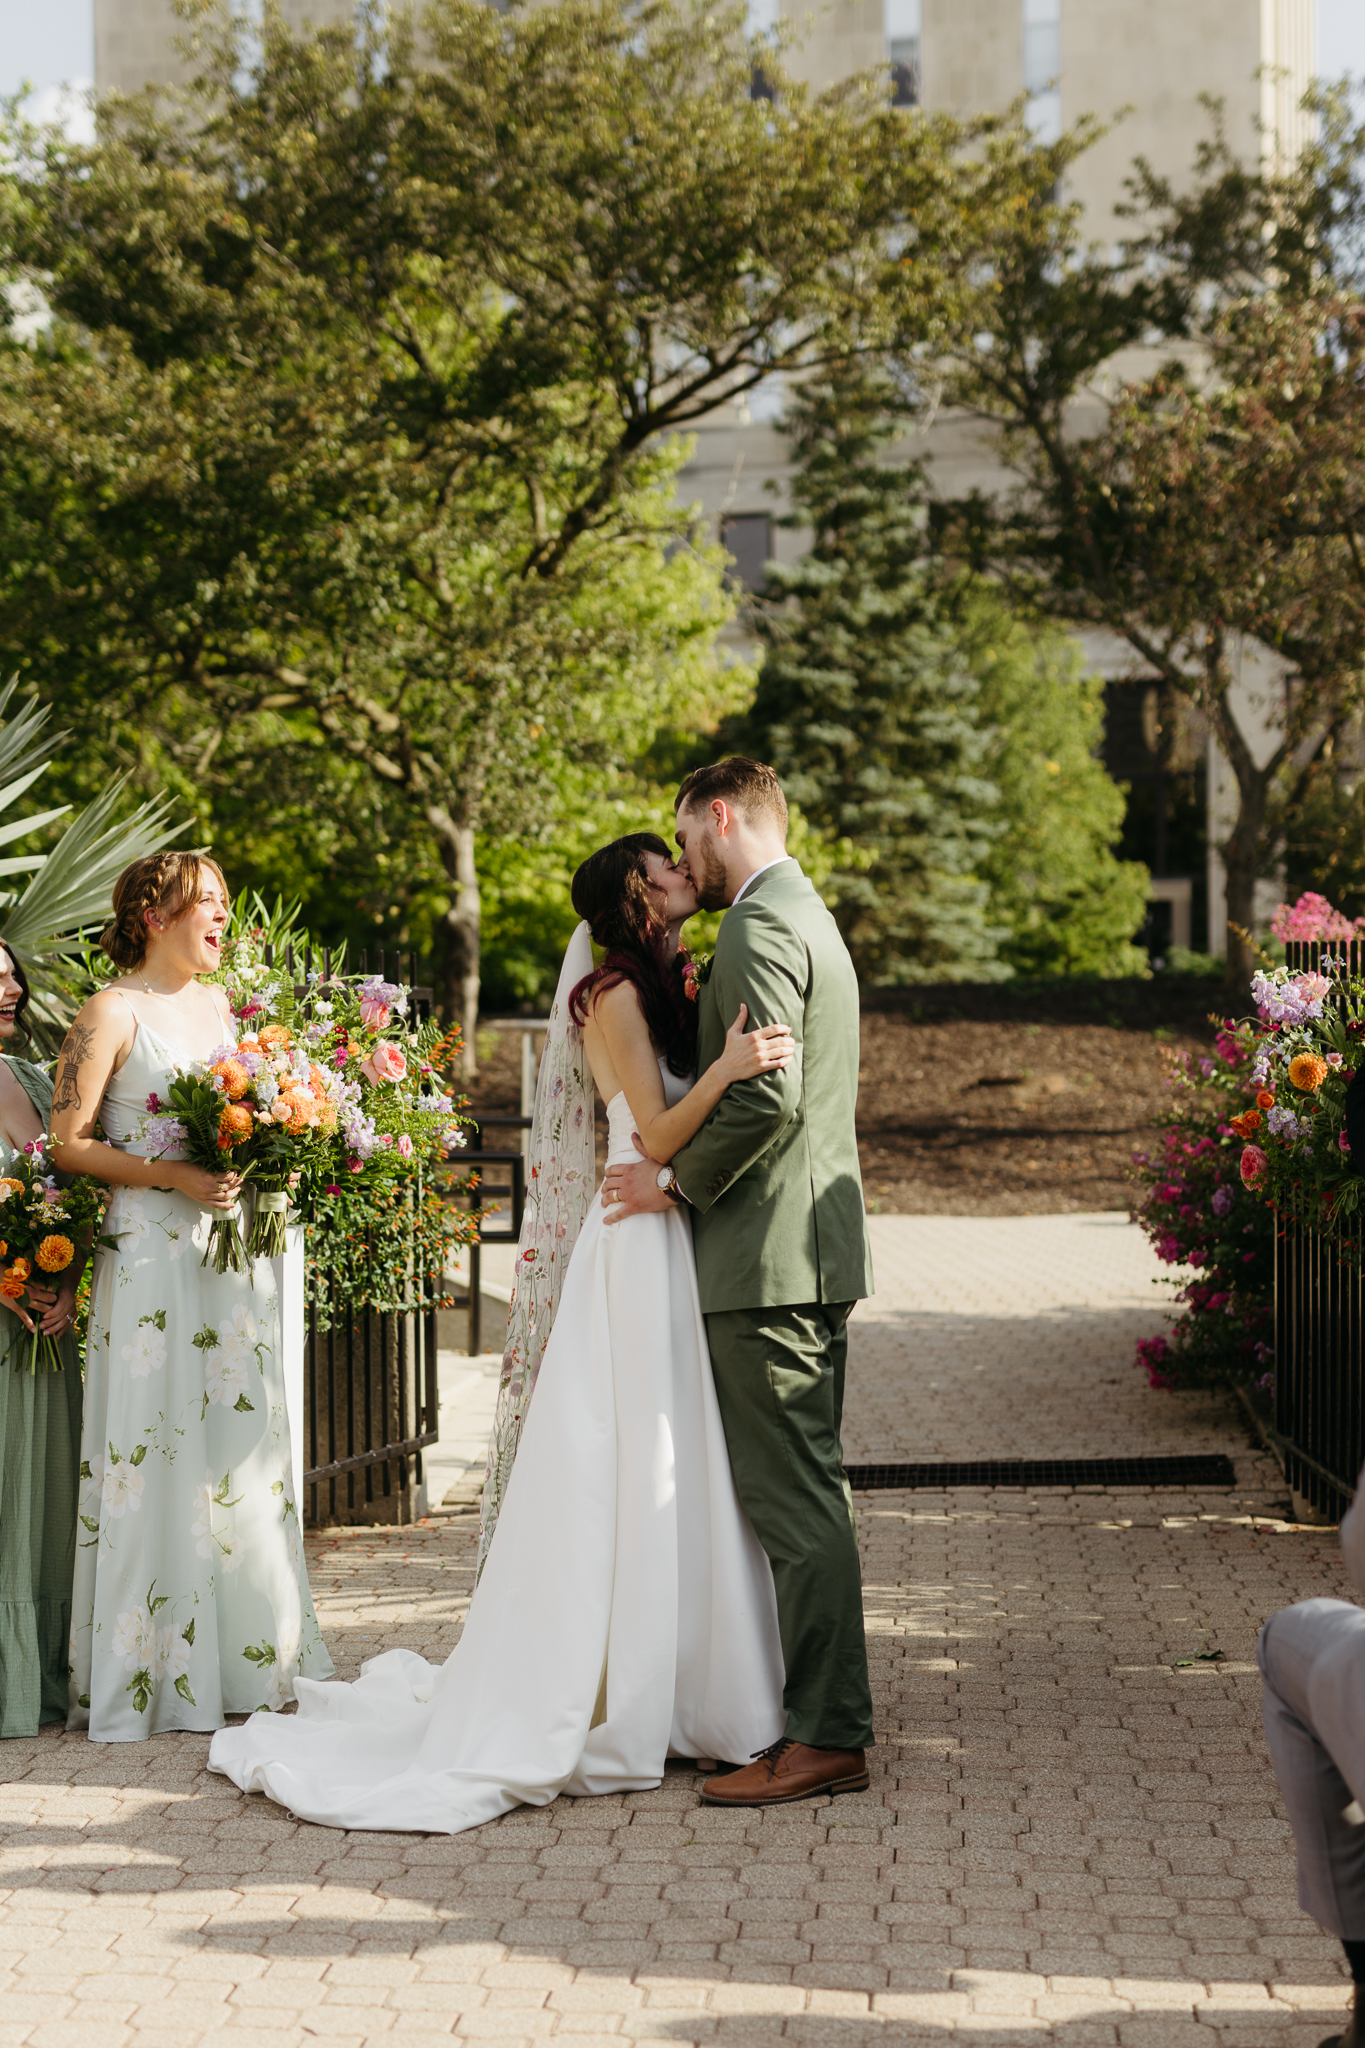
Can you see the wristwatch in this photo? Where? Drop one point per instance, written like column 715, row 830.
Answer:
column 666, row 1181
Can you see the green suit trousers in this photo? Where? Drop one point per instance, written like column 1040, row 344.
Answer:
column 779, row 1375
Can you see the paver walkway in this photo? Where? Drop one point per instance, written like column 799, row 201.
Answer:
column 1066, row 1841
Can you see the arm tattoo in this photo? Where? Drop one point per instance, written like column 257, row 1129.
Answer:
column 76, row 1048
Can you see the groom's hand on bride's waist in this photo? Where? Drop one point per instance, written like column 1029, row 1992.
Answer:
column 634, row 1190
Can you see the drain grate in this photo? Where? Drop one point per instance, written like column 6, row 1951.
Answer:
column 1213, row 1470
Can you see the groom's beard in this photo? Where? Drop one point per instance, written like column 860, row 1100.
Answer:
column 709, row 879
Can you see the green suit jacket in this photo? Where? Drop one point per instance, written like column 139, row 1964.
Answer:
column 772, row 1175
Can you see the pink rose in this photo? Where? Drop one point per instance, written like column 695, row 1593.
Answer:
column 374, row 1015
column 354, row 1163
column 405, row 1145
column 386, row 1063
column 1253, row 1166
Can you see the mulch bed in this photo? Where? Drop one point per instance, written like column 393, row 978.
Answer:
column 994, row 1101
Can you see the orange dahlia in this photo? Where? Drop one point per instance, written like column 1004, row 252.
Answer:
column 277, row 1034
column 1307, row 1071
column 10, row 1187
column 21, row 1269
column 55, row 1253
column 234, row 1077
column 235, row 1123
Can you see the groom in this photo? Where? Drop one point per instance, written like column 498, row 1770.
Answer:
column 773, row 1188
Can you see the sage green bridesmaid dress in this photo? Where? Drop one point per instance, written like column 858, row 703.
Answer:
column 40, row 1451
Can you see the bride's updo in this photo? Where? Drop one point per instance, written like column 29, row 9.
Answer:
column 165, row 882
column 610, row 892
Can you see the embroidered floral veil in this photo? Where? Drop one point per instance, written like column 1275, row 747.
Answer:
column 560, row 1177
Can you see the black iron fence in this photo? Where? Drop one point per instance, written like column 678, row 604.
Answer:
column 371, row 1401
column 1319, row 1326
column 371, row 1394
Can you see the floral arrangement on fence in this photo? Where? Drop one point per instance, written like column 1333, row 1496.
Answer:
column 44, row 1225
column 330, row 1101
column 1296, row 1152
column 1200, row 1213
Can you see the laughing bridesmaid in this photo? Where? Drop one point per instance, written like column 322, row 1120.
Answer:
column 191, row 1598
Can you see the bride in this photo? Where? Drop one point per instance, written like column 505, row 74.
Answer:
column 624, row 1611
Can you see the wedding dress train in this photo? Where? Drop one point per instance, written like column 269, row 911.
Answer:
column 626, row 1611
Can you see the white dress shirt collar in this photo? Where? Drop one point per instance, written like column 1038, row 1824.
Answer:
column 749, row 880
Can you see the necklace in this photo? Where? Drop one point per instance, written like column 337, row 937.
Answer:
column 162, row 994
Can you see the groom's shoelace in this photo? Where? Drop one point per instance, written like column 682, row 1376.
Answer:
column 774, row 1753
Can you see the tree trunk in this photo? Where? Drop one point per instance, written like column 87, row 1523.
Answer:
column 457, row 936
column 1244, row 848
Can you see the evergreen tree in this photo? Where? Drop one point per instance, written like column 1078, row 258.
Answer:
column 866, row 707
column 946, row 743
column 1069, row 906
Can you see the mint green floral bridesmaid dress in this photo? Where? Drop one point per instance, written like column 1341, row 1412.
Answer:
column 40, row 1438
column 191, row 1597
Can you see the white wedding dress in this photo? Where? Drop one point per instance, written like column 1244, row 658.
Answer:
column 626, row 1611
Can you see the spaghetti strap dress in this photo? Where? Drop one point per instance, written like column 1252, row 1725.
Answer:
column 191, row 1596
column 40, row 1448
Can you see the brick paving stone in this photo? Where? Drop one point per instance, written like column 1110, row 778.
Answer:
column 1067, row 1842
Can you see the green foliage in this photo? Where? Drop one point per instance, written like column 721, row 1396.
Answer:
column 948, row 739
column 1068, row 905
column 349, row 458
column 866, row 707
column 70, row 884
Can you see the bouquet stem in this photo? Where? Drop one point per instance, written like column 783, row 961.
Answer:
column 225, row 1247
column 269, row 1231
column 40, row 1354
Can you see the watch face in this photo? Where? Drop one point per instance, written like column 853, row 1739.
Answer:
column 664, row 1177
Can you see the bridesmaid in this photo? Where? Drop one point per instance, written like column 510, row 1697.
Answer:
column 191, row 1600
column 40, row 1431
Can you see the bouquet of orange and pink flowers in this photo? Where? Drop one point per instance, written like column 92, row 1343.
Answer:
column 43, row 1226
column 263, row 1109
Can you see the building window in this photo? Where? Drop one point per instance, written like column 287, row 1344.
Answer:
column 902, row 20
column 1043, row 67
column 748, row 537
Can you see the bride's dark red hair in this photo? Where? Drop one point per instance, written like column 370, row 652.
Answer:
column 611, row 893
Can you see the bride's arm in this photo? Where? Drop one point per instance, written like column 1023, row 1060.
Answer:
column 664, row 1131
column 99, row 1040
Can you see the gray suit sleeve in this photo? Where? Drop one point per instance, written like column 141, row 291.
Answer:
column 766, row 967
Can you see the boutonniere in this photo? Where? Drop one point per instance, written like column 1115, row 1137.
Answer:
column 695, row 976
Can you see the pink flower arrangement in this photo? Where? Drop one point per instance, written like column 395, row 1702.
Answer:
column 1253, row 1166
column 386, row 1063
column 1312, row 919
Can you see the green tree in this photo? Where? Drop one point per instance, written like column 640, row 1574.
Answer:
column 865, row 705
column 349, row 440
column 1220, row 494
column 1067, row 904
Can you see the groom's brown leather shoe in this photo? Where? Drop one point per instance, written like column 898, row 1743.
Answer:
column 789, row 1770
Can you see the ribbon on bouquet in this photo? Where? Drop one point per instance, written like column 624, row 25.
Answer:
column 273, row 1203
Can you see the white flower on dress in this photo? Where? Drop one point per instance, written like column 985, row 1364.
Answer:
column 170, row 1655
column 135, row 1638
column 233, row 1555
column 146, row 1353
column 92, row 1474
column 224, row 1377
column 122, row 1488
column 237, row 1337
column 126, row 1219
column 202, row 1526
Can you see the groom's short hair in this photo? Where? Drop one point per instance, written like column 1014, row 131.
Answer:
column 751, row 786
